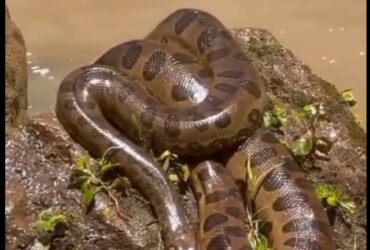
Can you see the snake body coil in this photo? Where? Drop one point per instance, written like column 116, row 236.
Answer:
column 188, row 88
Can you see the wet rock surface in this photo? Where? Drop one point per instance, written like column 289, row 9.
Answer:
column 15, row 74
column 38, row 171
column 39, row 158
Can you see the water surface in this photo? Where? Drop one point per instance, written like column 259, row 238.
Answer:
column 329, row 36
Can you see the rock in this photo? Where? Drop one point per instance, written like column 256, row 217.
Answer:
column 15, row 74
column 38, row 163
column 38, row 174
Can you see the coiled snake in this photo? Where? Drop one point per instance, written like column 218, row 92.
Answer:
column 192, row 91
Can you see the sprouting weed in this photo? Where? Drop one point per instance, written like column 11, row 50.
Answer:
column 49, row 219
column 254, row 180
column 88, row 178
column 357, row 117
column 82, row 162
column 275, row 117
column 301, row 146
column 334, row 197
column 348, row 97
column 312, row 110
column 168, row 159
column 165, row 158
column 259, row 242
column 256, row 239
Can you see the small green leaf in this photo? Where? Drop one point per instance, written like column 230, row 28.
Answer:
column 164, row 155
column 250, row 173
column 269, row 119
column 332, row 200
column 310, row 110
column 88, row 193
column 166, row 164
column 174, row 177
column 357, row 118
column 104, row 165
column 78, row 181
column 321, row 142
column 82, row 161
column 321, row 109
column 329, row 192
column 275, row 117
column 185, row 171
column 348, row 204
column 301, row 146
column 166, row 158
column 335, row 197
column 259, row 242
column 280, row 113
column 48, row 220
column 120, row 183
column 262, row 243
column 348, row 97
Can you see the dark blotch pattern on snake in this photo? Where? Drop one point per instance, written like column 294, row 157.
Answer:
column 294, row 218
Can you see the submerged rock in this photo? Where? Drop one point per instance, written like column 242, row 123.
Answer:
column 38, row 161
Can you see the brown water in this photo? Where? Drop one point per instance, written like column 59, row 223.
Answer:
column 328, row 35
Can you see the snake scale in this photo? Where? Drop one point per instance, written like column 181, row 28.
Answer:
column 187, row 87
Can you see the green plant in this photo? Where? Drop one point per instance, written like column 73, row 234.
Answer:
column 275, row 117
column 301, row 146
column 88, row 177
column 304, row 145
column 348, row 97
column 47, row 224
column 170, row 160
column 49, row 219
column 257, row 240
column 357, row 118
column 312, row 110
column 254, row 180
column 335, row 197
